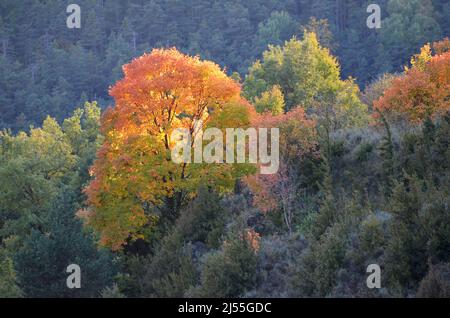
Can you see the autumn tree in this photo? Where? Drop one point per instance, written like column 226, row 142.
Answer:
column 135, row 181
column 421, row 92
column 280, row 191
column 442, row 46
column 419, row 61
column 375, row 89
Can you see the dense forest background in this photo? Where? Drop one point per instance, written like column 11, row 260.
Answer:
column 49, row 69
column 364, row 118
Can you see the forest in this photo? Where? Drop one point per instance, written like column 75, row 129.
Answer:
column 86, row 177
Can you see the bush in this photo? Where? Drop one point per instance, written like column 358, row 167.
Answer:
column 170, row 272
column 316, row 269
column 229, row 272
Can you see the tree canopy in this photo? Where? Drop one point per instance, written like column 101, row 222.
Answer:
column 134, row 172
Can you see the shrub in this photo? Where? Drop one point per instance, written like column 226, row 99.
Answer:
column 229, row 272
column 316, row 269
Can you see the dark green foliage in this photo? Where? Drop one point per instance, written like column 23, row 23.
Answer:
column 49, row 69
column 35, row 165
column 8, row 283
column 316, row 269
column 203, row 220
column 409, row 25
column 279, row 27
column 229, row 272
column 112, row 292
column 171, row 271
column 426, row 153
column 364, row 152
column 407, row 240
column 366, row 244
column 129, row 280
column 419, row 231
column 406, row 259
column 327, row 214
column 42, row 261
column 42, row 175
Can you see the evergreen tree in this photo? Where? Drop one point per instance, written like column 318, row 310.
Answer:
column 42, row 261
column 8, row 283
column 410, row 25
column 278, row 28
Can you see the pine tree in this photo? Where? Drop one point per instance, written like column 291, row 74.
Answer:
column 42, row 261
column 410, row 25
column 328, row 211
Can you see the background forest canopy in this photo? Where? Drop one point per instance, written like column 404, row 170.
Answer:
column 364, row 178
column 48, row 69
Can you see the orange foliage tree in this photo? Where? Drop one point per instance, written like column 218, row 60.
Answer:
column 441, row 47
column 134, row 179
column 422, row 92
column 297, row 140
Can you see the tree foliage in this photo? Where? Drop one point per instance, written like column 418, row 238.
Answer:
column 309, row 76
column 347, row 193
column 134, row 172
column 420, row 93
